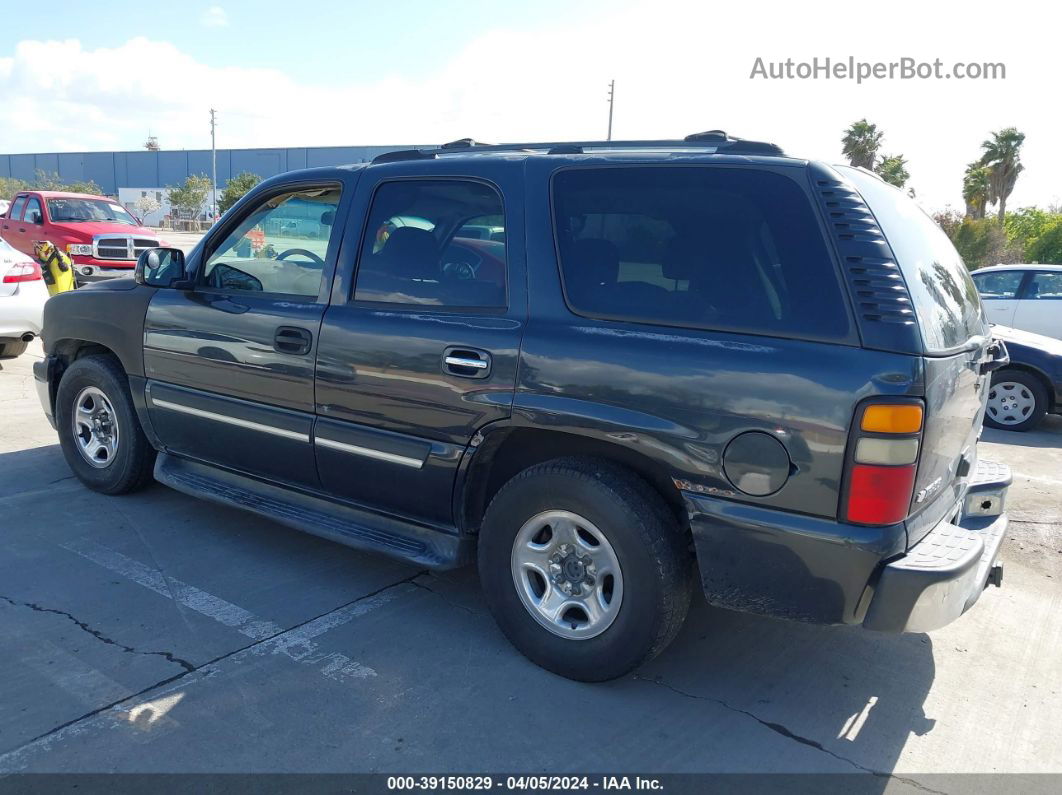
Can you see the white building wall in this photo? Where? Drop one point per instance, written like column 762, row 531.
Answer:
column 129, row 196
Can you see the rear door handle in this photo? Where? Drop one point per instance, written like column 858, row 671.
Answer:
column 293, row 340
column 466, row 362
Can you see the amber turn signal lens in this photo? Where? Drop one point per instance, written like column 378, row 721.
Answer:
column 906, row 418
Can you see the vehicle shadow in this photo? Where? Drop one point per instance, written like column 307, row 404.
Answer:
column 853, row 695
column 33, row 469
column 734, row 692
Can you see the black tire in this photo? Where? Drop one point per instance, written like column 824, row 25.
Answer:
column 652, row 551
column 9, row 350
column 1026, row 385
column 134, row 460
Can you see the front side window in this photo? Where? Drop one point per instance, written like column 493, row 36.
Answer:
column 1045, row 285
column 73, row 211
column 33, row 211
column 415, row 253
column 279, row 247
column 698, row 247
column 998, row 286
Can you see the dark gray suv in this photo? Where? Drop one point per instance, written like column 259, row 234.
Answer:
column 675, row 359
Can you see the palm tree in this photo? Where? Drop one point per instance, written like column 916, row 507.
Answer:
column 861, row 142
column 975, row 189
column 1003, row 158
column 893, row 169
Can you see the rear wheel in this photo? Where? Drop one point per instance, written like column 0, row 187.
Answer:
column 584, row 568
column 1017, row 401
column 9, row 350
column 99, row 432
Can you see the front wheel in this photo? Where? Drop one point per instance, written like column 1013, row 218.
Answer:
column 584, row 568
column 99, row 432
column 1017, row 401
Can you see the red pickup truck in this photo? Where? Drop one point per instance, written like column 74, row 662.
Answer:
column 100, row 235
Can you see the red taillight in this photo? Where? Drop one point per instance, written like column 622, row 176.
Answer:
column 879, row 494
column 883, row 461
column 23, row 272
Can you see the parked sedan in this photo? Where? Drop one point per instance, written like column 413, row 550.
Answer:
column 1027, row 297
column 22, row 297
column 1030, row 386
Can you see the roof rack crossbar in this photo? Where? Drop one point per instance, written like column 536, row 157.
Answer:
column 714, row 138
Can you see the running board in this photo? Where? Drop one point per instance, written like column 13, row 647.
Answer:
column 343, row 524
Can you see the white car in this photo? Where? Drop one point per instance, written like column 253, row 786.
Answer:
column 1026, row 297
column 22, row 296
column 4, row 204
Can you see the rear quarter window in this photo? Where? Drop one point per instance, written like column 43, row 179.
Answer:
column 711, row 247
column 945, row 298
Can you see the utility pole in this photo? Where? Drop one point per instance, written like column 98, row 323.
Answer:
column 213, row 168
column 611, row 97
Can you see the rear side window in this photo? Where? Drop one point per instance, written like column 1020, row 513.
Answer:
column 699, row 247
column 1045, row 285
column 998, row 285
column 16, row 209
column 418, row 248
column 945, row 299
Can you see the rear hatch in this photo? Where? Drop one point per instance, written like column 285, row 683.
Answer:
column 955, row 340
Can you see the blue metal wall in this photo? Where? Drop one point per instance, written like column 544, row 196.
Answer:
column 144, row 169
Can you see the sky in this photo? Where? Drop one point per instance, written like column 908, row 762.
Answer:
column 104, row 75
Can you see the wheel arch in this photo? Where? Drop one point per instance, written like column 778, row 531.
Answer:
column 500, row 451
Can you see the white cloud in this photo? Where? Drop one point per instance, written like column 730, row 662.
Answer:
column 677, row 71
column 214, row 17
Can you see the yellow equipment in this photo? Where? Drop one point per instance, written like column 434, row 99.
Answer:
column 56, row 266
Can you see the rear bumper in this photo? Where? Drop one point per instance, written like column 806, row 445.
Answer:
column 944, row 574
column 23, row 312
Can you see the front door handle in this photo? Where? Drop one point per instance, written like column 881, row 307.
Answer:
column 293, row 340
column 466, row 362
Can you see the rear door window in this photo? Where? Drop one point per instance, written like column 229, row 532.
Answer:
column 1044, row 285
column 698, row 247
column 415, row 252
column 949, row 309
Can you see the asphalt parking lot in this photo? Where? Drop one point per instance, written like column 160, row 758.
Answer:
column 154, row 632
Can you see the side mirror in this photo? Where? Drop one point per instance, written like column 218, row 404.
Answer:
column 161, row 267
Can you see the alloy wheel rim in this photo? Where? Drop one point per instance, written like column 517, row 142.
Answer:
column 1010, row 403
column 567, row 574
column 95, row 427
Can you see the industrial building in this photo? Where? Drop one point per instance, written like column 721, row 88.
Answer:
column 129, row 175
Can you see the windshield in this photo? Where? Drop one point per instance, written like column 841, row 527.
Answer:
column 79, row 210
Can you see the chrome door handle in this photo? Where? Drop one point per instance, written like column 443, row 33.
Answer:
column 461, row 361
column 466, row 362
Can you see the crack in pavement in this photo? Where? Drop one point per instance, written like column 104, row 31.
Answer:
column 778, row 728
column 168, row 656
column 445, row 598
column 45, row 736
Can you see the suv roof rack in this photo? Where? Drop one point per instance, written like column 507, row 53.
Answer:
column 722, row 142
